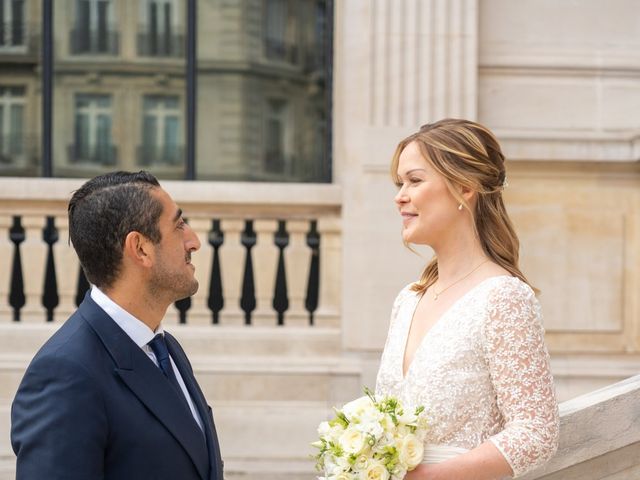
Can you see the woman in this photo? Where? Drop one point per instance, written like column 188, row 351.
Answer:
column 466, row 340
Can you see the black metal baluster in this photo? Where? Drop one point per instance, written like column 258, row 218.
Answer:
column 248, row 299
column 313, row 283
column 16, row 290
column 216, row 300
column 83, row 286
column 280, row 297
column 184, row 304
column 50, row 297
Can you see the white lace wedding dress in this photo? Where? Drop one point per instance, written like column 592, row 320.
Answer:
column 482, row 372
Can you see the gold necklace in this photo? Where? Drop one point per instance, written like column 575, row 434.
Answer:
column 437, row 294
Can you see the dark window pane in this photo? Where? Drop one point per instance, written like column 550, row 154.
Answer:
column 262, row 91
column 19, row 145
column 17, row 22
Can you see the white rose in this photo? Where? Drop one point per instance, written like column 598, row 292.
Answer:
column 343, row 463
column 371, row 415
column 323, row 429
column 333, row 434
column 352, row 441
column 357, row 407
column 341, row 476
column 375, row 471
column 361, row 462
column 371, row 428
column 411, row 451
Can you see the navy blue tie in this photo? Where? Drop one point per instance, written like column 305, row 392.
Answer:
column 159, row 347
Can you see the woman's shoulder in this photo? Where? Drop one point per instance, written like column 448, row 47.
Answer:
column 508, row 287
column 407, row 292
column 405, row 295
column 509, row 297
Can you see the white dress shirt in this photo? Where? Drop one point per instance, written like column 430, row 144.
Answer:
column 141, row 335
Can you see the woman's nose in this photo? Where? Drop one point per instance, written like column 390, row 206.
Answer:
column 401, row 197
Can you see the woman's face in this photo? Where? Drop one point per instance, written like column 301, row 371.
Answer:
column 426, row 205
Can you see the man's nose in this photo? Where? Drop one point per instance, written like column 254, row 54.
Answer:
column 192, row 242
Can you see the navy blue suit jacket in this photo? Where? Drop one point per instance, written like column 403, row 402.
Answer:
column 92, row 405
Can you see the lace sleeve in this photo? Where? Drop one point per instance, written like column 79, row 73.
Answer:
column 519, row 367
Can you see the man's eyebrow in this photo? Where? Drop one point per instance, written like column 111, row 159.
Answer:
column 178, row 215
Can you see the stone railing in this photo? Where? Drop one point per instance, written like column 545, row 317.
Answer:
column 599, row 436
column 270, row 253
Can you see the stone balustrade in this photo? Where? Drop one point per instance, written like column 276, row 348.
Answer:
column 270, row 253
column 599, row 436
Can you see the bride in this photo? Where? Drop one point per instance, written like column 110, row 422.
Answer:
column 466, row 340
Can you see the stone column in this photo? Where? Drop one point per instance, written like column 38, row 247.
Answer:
column 398, row 65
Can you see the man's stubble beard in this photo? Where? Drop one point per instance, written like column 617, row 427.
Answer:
column 165, row 284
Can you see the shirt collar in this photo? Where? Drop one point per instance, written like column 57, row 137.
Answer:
column 136, row 329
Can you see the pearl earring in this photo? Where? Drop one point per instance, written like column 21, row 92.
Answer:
column 460, row 207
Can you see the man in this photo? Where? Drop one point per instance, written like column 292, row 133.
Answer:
column 111, row 395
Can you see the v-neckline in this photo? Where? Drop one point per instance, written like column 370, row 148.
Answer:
column 438, row 321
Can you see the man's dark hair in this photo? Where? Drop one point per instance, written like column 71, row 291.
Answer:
column 102, row 213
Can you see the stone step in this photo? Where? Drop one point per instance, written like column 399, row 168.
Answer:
column 239, row 469
column 259, row 440
column 7, row 467
column 239, row 379
column 27, row 338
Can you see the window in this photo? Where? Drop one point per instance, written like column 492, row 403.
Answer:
column 12, row 138
column 159, row 33
column 110, row 84
column 12, row 25
column 93, row 145
column 161, row 132
column 279, row 31
column 93, row 33
column 276, row 136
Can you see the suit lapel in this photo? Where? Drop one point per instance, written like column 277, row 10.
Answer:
column 199, row 400
column 148, row 383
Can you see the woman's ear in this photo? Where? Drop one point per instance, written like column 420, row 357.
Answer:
column 468, row 194
column 137, row 249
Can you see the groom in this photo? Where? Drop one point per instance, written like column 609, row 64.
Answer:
column 111, row 395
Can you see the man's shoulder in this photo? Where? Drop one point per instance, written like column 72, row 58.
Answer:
column 73, row 338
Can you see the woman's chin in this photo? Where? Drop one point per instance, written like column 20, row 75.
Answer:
column 406, row 236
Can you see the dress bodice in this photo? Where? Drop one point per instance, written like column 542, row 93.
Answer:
column 482, row 372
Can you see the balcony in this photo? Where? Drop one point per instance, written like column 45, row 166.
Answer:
column 19, row 40
column 105, row 155
column 262, row 331
column 86, row 41
column 159, row 155
column 17, row 151
column 160, row 45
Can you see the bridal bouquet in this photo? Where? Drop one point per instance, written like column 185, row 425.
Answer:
column 371, row 438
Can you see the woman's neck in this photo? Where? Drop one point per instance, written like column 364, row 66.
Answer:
column 457, row 257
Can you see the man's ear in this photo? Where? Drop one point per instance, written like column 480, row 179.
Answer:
column 138, row 249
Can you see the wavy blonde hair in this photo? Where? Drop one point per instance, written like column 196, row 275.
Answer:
column 467, row 154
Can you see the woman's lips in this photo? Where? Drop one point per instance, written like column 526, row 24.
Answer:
column 407, row 217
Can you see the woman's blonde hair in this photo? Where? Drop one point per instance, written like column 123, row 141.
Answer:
column 467, row 154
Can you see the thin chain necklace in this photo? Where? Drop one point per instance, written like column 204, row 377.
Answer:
column 437, row 294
